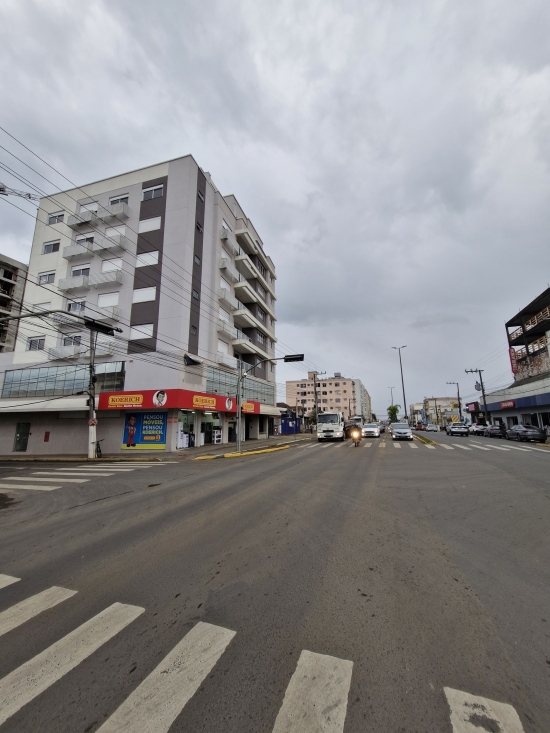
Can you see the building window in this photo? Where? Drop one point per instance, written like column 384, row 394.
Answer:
column 259, row 364
column 261, row 268
column 273, row 369
column 85, row 240
column 107, row 300
column 261, row 314
column 271, row 344
column 145, row 259
column 46, row 278
column 337, row 399
column 198, row 226
column 200, row 195
column 149, row 225
column 144, row 295
column 72, row 340
column 49, row 247
column 345, row 391
column 223, row 382
column 272, row 321
column 79, row 305
column 260, row 290
column 323, row 393
column 260, row 338
column 119, row 200
column 197, row 260
column 143, row 331
column 194, row 331
column 62, row 380
column 36, row 344
column 81, row 271
column 337, row 391
column 324, row 402
column 56, row 218
column 110, row 265
column 196, row 294
column 336, row 384
column 155, row 192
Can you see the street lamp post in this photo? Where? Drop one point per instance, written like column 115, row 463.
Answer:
column 391, row 388
column 398, row 348
column 458, row 397
column 241, row 374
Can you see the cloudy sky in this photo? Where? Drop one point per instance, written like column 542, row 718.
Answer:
column 393, row 155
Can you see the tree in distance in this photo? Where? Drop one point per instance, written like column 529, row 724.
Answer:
column 393, row 411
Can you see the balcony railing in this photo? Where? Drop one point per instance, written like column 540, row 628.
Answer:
column 227, row 360
column 74, row 283
column 115, row 211
column 227, row 328
column 533, row 348
column 77, row 250
column 544, row 315
column 105, row 347
column 111, row 313
column 230, row 272
column 67, row 352
column 90, row 218
column 227, row 299
column 113, row 243
column 106, row 278
column 229, row 240
column 83, row 282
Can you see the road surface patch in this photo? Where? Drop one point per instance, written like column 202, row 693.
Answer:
column 13, row 617
column 316, row 698
column 157, row 702
column 472, row 714
column 33, row 677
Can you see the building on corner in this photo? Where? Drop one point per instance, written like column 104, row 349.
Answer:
column 331, row 394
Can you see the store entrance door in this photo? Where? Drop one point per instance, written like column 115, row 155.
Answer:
column 22, row 432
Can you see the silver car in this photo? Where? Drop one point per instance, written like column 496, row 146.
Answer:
column 371, row 430
column 458, row 428
column 401, row 431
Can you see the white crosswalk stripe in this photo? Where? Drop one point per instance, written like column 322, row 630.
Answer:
column 397, row 445
column 32, row 678
column 13, row 617
column 479, row 447
column 368, row 445
column 499, row 447
column 448, row 447
column 464, row 447
column 470, row 714
column 316, row 698
column 429, row 447
column 88, row 471
column 156, row 703
column 525, row 450
column 94, row 469
column 6, row 580
column 382, row 445
column 412, row 445
column 80, row 474
column 59, row 479
column 29, row 487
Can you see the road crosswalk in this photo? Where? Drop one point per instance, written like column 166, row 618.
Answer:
column 316, row 696
column 53, row 479
column 416, row 444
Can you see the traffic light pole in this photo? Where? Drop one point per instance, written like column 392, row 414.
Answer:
column 485, row 411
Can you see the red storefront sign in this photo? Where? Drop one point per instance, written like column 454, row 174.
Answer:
column 513, row 360
column 507, row 404
column 473, row 407
column 183, row 399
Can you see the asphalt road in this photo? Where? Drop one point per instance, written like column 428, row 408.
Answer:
column 376, row 589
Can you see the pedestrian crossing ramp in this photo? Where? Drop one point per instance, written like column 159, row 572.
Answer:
column 315, row 699
column 56, row 478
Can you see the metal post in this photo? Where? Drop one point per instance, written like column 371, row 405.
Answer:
column 403, row 383
column 484, row 398
column 315, row 398
column 92, row 431
column 238, row 405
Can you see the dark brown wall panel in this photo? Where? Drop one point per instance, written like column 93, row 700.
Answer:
column 196, row 280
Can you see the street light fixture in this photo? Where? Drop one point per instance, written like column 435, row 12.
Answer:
column 398, row 348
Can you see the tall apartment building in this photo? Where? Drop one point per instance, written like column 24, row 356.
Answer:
column 162, row 255
column 12, row 286
column 334, row 394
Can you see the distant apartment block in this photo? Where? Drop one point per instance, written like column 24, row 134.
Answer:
column 334, row 394
column 12, row 286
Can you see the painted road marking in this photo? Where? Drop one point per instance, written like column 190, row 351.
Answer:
column 368, row 445
column 412, row 445
column 429, row 447
column 59, row 479
column 470, row 713
column 479, row 447
column 525, row 450
column 316, row 698
column 498, row 447
column 30, row 607
column 94, row 469
column 396, row 445
column 29, row 487
column 85, row 471
column 6, row 580
column 447, row 447
column 382, row 445
column 32, row 678
column 457, row 445
column 71, row 473
column 157, row 702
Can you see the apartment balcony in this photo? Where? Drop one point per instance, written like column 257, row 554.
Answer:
column 243, row 317
column 229, row 271
column 533, row 348
column 112, row 277
column 227, row 299
column 242, row 344
column 245, row 292
column 67, row 352
column 229, row 240
column 246, row 241
column 62, row 320
column 226, row 328
column 114, row 212
column 226, row 360
column 84, row 218
column 249, row 270
column 69, row 284
column 113, row 243
column 73, row 251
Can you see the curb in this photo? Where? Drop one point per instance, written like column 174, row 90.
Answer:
column 243, row 455
column 79, row 460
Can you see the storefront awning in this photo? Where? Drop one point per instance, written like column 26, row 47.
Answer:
column 270, row 410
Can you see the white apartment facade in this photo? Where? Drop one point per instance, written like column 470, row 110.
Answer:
column 162, row 255
column 334, row 394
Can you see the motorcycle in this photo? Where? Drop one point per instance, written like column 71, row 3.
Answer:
column 356, row 436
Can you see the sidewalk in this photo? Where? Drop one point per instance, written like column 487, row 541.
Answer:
column 180, row 455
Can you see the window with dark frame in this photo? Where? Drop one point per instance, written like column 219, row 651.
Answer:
column 197, row 260
column 50, row 247
column 72, row 340
column 200, row 195
column 153, row 193
column 81, row 271
column 199, row 227
column 36, row 344
column 118, row 200
column 195, row 294
column 46, row 278
column 56, row 218
column 193, row 330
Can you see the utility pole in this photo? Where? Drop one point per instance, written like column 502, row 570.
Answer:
column 316, row 374
column 479, row 371
column 459, row 403
column 398, row 348
column 92, row 422
column 391, row 388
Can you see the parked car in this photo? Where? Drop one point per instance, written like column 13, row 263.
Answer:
column 526, row 432
column 495, row 431
column 431, row 428
column 382, row 427
column 401, row 431
column 477, row 429
column 458, row 428
column 419, row 426
column 371, row 430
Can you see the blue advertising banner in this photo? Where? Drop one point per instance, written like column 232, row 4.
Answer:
column 144, row 430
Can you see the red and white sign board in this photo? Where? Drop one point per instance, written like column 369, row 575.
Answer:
column 184, row 399
column 507, row 404
column 513, row 360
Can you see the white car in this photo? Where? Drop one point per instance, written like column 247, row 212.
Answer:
column 371, row 430
column 401, row 431
column 431, row 428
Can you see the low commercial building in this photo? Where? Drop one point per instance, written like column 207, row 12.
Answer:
column 331, row 394
column 527, row 398
column 441, row 410
column 162, row 255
